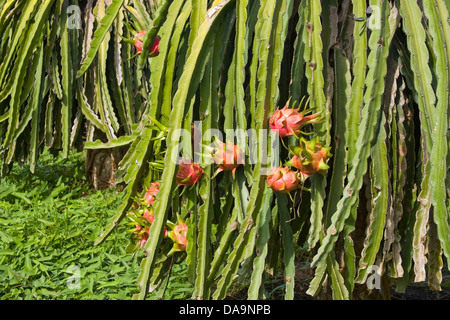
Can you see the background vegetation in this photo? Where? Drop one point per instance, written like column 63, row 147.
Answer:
column 49, row 221
column 377, row 71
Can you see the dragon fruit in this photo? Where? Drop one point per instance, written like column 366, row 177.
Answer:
column 139, row 41
column 310, row 157
column 283, row 179
column 148, row 214
column 150, row 194
column 289, row 121
column 178, row 234
column 189, row 173
column 142, row 234
column 228, row 156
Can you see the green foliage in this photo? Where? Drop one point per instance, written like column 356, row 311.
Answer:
column 49, row 221
column 378, row 85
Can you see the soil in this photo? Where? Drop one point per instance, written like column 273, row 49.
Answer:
column 415, row 291
column 421, row 292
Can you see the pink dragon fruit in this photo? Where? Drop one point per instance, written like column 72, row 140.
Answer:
column 139, row 41
column 283, row 179
column 289, row 121
column 228, row 156
column 179, row 236
column 188, row 173
column 150, row 194
column 310, row 157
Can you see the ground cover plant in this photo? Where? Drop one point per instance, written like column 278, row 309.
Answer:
column 245, row 132
column 49, row 221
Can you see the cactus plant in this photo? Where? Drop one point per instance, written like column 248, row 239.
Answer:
column 373, row 180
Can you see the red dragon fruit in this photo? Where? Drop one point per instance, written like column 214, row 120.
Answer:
column 289, row 121
column 139, row 41
column 178, row 234
column 228, row 156
column 283, row 179
column 310, row 157
column 150, row 194
column 189, row 173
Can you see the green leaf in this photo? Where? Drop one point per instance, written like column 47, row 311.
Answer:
column 100, row 33
column 189, row 80
column 440, row 31
column 150, row 35
column 379, row 206
column 369, row 120
column 288, row 246
column 25, row 16
column 30, row 42
column 67, row 80
column 115, row 143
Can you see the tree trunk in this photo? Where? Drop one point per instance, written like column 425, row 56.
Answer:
column 101, row 167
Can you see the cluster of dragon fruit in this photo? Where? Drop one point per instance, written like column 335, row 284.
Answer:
column 307, row 157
